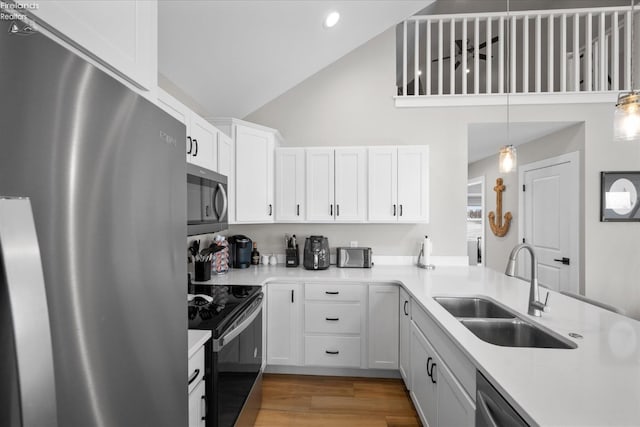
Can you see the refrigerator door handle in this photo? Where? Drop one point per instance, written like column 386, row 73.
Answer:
column 24, row 296
column 223, row 212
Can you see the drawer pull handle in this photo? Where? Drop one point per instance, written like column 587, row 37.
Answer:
column 193, row 376
column 331, row 292
column 331, row 352
column 332, row 319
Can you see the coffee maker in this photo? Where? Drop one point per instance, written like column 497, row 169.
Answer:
column 240, row 251
column 316, row 253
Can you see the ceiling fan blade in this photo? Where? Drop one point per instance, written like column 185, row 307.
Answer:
column 459, row 45
column 457, row 64
column 437, row 59
column 484, row 44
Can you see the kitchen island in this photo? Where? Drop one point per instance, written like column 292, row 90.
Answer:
column 597, row 383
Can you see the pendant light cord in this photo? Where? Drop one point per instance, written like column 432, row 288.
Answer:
column 509, row 74
column 633, row 42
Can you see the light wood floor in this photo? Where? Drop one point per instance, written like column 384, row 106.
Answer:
column 299, row 400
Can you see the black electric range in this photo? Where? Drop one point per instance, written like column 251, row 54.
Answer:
column 233, row 357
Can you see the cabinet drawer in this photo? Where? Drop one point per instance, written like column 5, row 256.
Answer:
column 332, row 292
column 460, row 366
column 332, row 318
column 332, row 351
column 196, row 368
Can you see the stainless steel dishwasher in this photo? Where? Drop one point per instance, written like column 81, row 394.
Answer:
column 492, row 410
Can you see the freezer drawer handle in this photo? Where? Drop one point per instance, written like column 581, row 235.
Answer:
column 331, row 352
column 194, row 376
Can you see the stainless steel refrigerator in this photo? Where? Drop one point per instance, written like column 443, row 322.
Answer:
column 92, row 265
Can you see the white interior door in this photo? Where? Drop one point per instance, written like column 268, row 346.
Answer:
column 550, row 221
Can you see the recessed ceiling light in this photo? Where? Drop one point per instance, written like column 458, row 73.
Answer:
column 331, row 19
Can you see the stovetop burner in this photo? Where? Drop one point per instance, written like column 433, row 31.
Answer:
column 219, row 307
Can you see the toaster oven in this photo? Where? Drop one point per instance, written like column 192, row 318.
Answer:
column 353, row 257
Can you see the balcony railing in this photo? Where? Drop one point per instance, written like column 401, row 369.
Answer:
column 538, row 52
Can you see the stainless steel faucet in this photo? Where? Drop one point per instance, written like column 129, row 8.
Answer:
column 536, row 307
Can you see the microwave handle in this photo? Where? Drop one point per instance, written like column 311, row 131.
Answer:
column 346, row 257
column 225, row 201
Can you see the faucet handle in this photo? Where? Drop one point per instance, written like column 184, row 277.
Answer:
column 544, row 307
column 546, row 299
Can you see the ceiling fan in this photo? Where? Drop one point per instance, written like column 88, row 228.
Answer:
column 470, row 51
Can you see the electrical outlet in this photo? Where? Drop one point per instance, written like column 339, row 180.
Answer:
column 354, row 243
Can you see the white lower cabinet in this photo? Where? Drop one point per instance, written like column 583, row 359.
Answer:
column 284, row 302
column 439, row 398
column 383, row 322
column 404, row 359
column 196, row 389
column 331, row 350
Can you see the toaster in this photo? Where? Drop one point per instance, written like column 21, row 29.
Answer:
column 353, row 257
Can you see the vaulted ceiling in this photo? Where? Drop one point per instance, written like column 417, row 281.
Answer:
column 232, row 57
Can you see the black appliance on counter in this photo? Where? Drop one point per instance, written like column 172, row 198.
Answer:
column 233, row 356
column 240, row 248
column 316, row 253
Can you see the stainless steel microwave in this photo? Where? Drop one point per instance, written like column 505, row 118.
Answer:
column 207, row 201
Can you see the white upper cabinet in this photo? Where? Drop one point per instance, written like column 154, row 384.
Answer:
column 383, row 184
column 204, row 139
column 320, row 184
column 254, row 175
column 290, row 184
column 226, row 166
column 123, row 35
column 350, row 184
column 201, row 136
column 413, row 184
column 399, row 184
column 336, row 184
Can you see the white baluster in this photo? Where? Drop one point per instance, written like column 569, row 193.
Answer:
column 525, row 54
column 563, row 53
column 512, row 59
column 440, row 34
column 550, row 69
column 476, row 56
column 404, row 58
column 452, row 60
column 416, row 60
column 576, row 52
column 488, row 53
column 427, row 65
column 538, row 59
column 501, row 55
column 589, row 54
column 627, row 51
column 603, row 54
column 615, row 55
column 464, row 56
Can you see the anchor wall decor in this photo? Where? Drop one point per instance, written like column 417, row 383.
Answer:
column 498, row 228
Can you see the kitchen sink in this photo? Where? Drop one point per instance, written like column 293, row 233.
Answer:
column 473, row 307
column 515, row 333
column 494, row 323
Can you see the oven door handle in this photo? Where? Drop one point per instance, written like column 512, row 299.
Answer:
column 218, row 344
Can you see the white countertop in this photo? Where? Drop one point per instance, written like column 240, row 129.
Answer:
column 196, row 339
column 596, row 384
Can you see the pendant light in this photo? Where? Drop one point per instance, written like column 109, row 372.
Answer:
column 507, row 159
column 626, row 119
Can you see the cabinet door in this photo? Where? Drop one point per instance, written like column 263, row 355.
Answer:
column 290, row 188
column 204, row 137
column 455, row 407
column 197, row 415
column 123, row 34
column 350, row 184
column 405, row 338
column 179, row 111
column 413, row 184
column 320, row 184
column 283, row 323
column 254, row 175
column 383, row 184
column 424, row 390
column 383, row 326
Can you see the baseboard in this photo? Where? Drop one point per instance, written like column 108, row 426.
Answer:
column 332, row 372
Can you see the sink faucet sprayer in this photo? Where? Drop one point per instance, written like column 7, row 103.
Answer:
column 536, row 307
